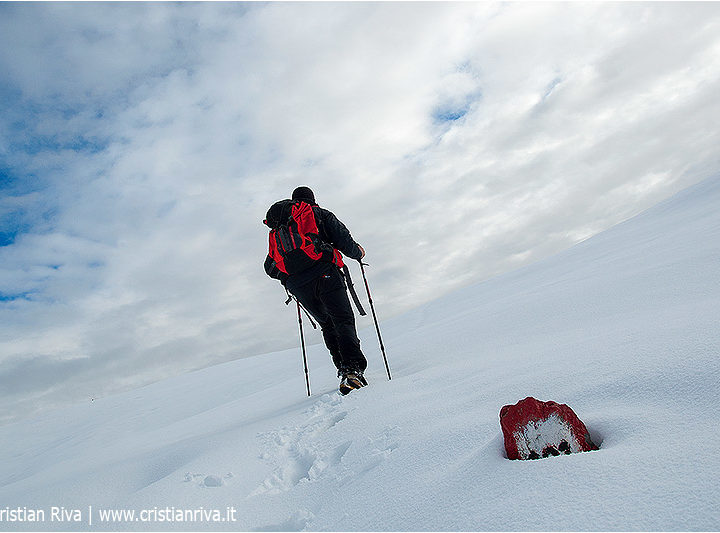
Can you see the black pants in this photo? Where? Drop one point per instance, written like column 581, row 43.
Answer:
column 326, row 299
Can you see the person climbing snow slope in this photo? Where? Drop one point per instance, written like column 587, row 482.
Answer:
column 306, row 244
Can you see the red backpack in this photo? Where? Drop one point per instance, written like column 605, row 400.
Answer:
column 295, row 243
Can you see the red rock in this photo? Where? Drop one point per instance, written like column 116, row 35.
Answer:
column 535, row 429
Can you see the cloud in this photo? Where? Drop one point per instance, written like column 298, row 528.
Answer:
column 142, row 144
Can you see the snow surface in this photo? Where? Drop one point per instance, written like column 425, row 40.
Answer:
column 622, row 327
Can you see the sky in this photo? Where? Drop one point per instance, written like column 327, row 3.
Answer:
column 142, row 143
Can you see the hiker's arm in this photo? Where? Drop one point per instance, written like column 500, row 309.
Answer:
column 339, row 236
column 273, row 271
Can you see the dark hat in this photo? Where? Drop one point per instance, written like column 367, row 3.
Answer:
column 303, row 193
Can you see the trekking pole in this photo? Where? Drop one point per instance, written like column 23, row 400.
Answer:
column 372, row 308
column 302, row 343
column 302, row 336
column 291, row 298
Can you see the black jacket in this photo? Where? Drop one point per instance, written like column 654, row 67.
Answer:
column 330, row 230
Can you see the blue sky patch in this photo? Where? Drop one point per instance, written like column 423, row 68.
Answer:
column 37, row 144
column 450, row 115
column 7, row 180
column 455, row 110
column 13, row 297
column 7, row 237
column 20, row 215
column 551, row 87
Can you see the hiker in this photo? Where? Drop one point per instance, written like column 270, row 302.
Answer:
column 305, row 245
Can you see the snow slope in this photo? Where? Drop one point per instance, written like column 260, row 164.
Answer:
column 623, row 327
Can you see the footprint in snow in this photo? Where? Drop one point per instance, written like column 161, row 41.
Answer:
column 211, row 480
column 380, row 448
column 299, row 454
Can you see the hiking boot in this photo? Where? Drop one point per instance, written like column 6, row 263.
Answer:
column 351, row 380
column 358, row 377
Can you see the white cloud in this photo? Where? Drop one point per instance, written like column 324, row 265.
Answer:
column 456, row 140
